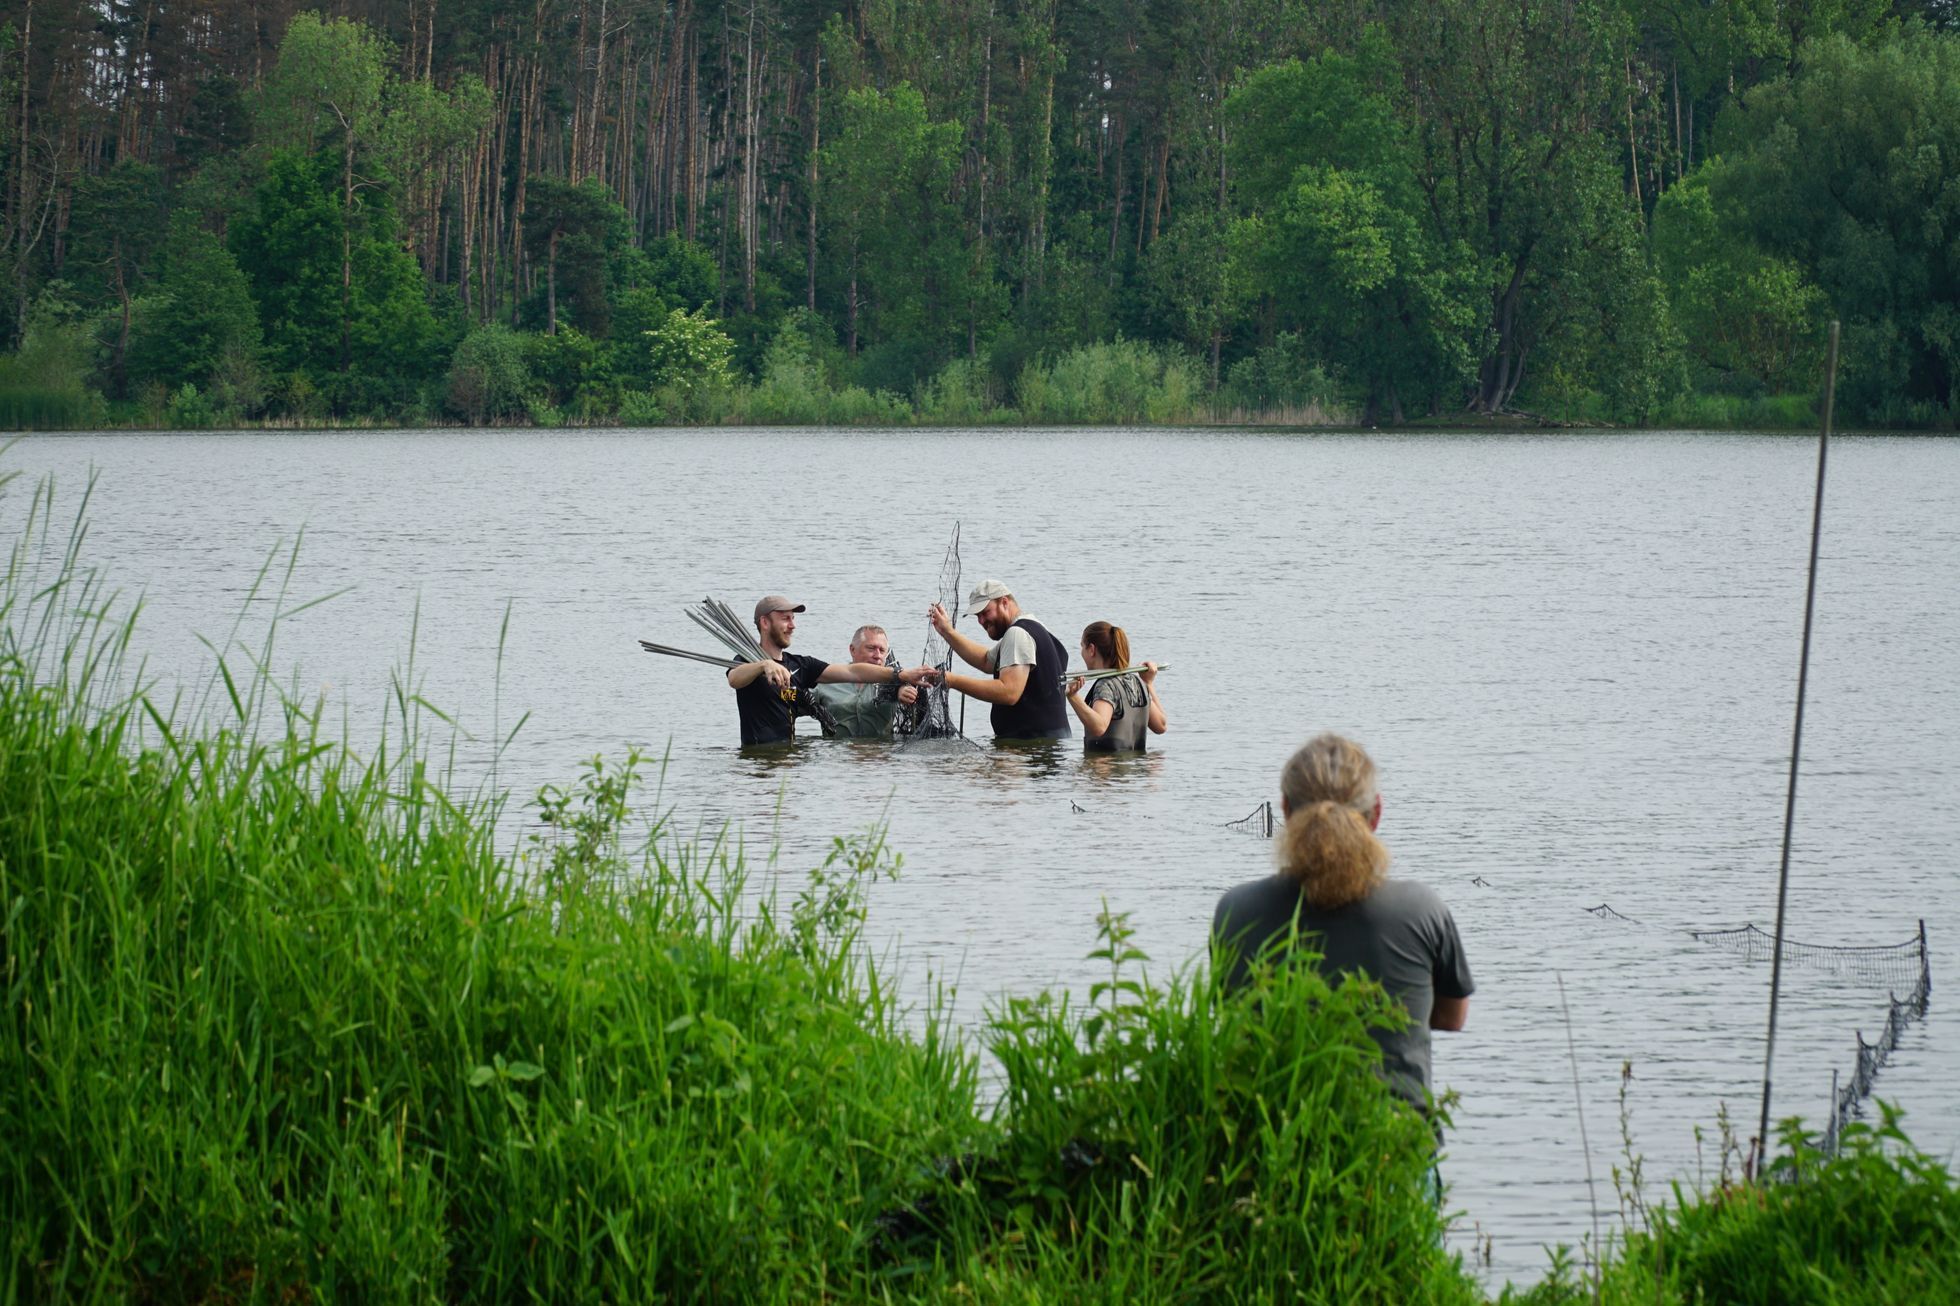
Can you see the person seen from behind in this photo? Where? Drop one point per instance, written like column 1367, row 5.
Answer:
column 1117, row 709
column 1332, row 880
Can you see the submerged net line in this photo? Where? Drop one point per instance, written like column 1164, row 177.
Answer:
column 1849, row 1095
column 1605, row 912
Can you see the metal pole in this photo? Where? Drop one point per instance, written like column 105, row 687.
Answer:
column 1796, row 748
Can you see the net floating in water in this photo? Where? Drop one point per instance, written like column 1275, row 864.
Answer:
column 1258, row 821
column 1849, row 1096
column 1894, row 963
column 1606, row 913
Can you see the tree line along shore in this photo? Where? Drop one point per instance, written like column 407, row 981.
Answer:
column 623, row 211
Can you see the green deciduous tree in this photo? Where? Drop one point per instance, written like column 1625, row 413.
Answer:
column 1848, row 171
column 328, row 295
column 328, row 83
column 691, row 356
column 1742, row 313
column 1337, row 232
column 887, row 172
column 201, row 324
column 573, row 230
column 117, row 222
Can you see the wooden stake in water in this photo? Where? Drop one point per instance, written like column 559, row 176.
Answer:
column 1796, row 748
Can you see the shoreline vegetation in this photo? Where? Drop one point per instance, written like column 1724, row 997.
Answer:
column 281, row 1023
column 1624, row 214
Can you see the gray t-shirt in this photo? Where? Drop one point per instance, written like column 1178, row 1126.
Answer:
column 1129, row 714
column 1401, row 935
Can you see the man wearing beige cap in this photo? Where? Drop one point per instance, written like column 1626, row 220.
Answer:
column 770, row 695
column 1026, row 661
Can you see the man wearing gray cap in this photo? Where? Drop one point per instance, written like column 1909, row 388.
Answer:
column 1027, row 664
column 769, row 695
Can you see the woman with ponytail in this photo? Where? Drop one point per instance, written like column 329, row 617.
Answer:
column 1117, row 709
column 1332, row 894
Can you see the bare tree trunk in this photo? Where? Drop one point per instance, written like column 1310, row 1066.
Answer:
column 347, row 246
column 816, row 144
column 551, row 284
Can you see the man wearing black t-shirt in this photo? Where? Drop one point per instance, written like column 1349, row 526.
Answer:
column 770, row 695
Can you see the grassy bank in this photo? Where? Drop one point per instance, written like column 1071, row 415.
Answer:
column 282, row 1023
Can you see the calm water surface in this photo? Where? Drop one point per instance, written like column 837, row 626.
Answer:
column 1574, row 658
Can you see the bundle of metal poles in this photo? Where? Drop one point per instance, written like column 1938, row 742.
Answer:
column 672, row 652
column 715, row 617
column 1105, row 673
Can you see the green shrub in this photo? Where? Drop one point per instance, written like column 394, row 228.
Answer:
column 1282, row 382
column 188, row 409
column 1122, row 381
column 45, row 384
column 1877, row 1224
column 961, row 394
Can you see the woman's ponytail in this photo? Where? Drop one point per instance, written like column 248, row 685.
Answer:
column 1110, row 643
column 1327, row 845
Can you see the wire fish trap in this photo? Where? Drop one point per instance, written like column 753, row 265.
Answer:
column 1605, row 912
column 1899, row 964
column 1258, row 821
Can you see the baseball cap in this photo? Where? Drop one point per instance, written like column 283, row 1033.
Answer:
column 769, row 603
column 983, row 594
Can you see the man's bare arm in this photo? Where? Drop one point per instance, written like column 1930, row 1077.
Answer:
column 1004, row 692
column 873, row 673
column 971, row 650
column 1449, row 1013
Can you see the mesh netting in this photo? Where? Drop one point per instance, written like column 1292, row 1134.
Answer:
column 931, row 717
column 1258, row 821
column 1606, row 913
column 1849, row 1100
column 1899, row 964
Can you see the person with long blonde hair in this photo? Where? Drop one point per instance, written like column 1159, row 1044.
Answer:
column 1331, row 894
column 1117, row 709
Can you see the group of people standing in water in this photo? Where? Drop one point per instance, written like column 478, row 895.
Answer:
column 1028, row 685
column 1330, row 890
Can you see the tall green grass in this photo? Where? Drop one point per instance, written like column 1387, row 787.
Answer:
column 281, row 1023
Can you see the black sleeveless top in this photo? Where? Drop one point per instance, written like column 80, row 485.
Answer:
column 1042, row 712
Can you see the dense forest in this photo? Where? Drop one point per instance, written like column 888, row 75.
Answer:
column 225, row 211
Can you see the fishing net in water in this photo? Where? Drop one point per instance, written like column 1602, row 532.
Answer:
column 1899, row 964
column 1258, row 821
column 1605, row 912
column 1850, row 1095
column 931, row 715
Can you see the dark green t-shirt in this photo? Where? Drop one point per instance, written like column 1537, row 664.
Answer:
column 1401, row 935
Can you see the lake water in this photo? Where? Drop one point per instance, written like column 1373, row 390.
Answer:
column 1573, row 656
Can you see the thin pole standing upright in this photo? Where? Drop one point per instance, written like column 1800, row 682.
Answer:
column 1796, row 747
